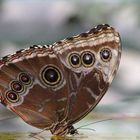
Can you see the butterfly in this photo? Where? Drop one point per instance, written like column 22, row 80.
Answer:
column 52, row 87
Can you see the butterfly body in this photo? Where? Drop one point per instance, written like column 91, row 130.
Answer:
column 52, row 87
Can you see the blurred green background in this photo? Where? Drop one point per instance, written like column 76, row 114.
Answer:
column 28, row 22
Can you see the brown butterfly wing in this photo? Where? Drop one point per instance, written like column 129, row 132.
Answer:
column 38, row 105
column 83, row 68
column 87, row 85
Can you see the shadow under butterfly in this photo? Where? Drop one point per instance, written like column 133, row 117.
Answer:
column 51, row 87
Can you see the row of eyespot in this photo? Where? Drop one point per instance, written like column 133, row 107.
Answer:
column 51, row 75
column 18, row 87
column 87, row 58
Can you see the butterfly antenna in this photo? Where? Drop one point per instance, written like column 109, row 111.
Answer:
column 88, row 129
column 93, row 123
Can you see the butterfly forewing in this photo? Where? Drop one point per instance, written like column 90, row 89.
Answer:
column 89, row 82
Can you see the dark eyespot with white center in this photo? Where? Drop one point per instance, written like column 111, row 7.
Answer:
column 74, row 60
column 12, row 97
column 106, row 54
column 25, row 79
column 88, row 59
column 51, row 75
column 17, row 86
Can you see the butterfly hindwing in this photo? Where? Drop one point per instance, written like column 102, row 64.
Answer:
column 40, row 104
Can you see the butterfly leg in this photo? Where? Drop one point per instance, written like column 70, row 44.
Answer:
column 37, row 135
